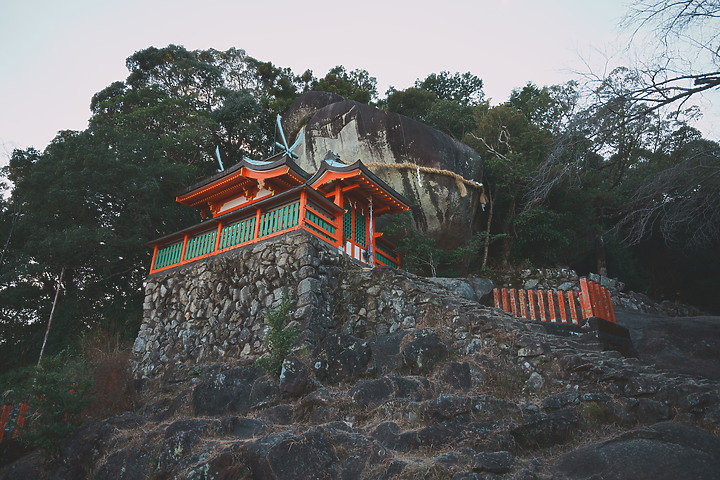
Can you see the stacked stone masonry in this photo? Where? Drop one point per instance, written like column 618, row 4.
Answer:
column 215, row 310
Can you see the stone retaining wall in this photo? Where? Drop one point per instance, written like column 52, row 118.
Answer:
column 214, row 309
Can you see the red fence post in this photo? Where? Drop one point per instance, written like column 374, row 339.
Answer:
column 573, row 308
column 513, row 302
column 611, row 307
column 531, row 302
column 3, row 419
column 585, row 299
column 505, row 301
column 541, row 305
column 523, row 303
column 20, row 420
column 561, row 306
column 496, row 298
column 597, row 302
column 551, row 305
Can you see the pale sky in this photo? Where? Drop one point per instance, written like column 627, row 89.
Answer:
column 54, row 55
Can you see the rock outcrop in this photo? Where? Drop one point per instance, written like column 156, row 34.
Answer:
column 395, row 377
column 401, row 151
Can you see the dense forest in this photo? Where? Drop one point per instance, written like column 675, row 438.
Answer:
column 598, row 179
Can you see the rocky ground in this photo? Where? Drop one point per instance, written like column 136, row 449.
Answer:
column 468, row 393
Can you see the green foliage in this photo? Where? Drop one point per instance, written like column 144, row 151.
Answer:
column 451, row 117
column 464, row 88
column 412, row 102
column 355, row 85
column 93, row 198
column 57, row 392
column 279, row 339
column 420, row 252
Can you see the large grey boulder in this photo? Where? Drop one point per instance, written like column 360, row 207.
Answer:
column 440, row 206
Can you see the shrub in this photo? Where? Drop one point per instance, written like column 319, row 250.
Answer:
column 279, row 339
column 57, row 391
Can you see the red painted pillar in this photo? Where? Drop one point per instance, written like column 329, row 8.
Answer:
column 513, row 302
column 258, row 216
column 218, row 236
column 152, row 267
column 531, row 304
column 496, row 298
column 184, row 249
column 303, row 204
column 505, row 301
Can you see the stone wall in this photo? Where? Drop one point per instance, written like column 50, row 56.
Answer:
column 215, row 309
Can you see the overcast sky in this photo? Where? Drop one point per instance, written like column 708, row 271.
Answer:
column 54, row 55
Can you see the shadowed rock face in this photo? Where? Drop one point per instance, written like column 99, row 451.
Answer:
column 358, row 131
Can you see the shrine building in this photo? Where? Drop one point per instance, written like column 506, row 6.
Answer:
column 259, row 199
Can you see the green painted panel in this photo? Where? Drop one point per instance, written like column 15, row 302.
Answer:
column 380, row 256
column 168, row 255
column 320, row 222
column 279, row 219
column 236, row 233
column 201, row 245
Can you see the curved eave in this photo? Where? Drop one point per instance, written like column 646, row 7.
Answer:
column 359, row 174
column 231, row 180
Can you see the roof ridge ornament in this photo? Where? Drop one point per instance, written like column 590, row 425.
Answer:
column 217, row 153
column 284, row 146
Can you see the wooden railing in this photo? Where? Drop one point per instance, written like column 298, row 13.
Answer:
column 12, row 419
column 385, row 254
column 569, row 306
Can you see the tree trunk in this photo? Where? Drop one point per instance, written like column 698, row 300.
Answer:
column 486, row 247
column 507, row 240
column 600, row 255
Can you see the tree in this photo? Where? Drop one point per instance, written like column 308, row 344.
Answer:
column 688, row 60
column 464, row 88
column 680, row 201
column 356, row 85
column 412, row 102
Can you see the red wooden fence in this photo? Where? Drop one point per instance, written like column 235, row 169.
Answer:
column 12, row 419
column 593, row 300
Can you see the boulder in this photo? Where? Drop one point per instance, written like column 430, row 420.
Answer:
column 235, row 390
column 340, row 357
column 423, row 351
column 665, row 450
column 458, row 286
column 442, row 207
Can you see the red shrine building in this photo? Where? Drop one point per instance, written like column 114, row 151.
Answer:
column 256, row 200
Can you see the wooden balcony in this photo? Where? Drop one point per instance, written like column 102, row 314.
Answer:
column 299, row 208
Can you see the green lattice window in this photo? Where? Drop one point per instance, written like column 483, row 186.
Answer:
column 360, row 233
column 347, row 223
column 355, row 226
